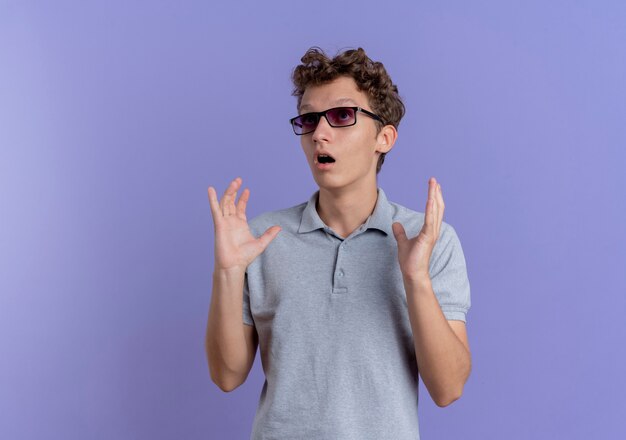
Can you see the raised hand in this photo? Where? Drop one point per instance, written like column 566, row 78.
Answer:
column 235, row 246
column 414, row 254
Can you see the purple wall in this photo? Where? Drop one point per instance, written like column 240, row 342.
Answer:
column 115, row 118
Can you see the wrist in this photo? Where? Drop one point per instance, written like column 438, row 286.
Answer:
column 419, row 278
column 417, row 285
column 234, row 272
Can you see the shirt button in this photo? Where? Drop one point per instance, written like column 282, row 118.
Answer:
column 341, row 273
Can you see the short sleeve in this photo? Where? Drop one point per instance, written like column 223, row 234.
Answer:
column 247, row 314
column 448, row 274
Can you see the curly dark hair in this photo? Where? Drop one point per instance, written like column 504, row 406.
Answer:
column 370, row 76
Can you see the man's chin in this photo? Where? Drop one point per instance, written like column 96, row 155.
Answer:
column 329, row 183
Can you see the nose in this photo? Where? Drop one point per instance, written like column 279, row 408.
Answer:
column 322, row 131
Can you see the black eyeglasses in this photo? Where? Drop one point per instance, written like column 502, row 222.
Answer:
column 336, row 117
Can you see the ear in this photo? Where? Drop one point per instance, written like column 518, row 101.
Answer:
column 386, row 138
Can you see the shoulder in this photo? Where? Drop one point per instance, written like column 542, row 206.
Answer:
column 413, row 221
column 288, row 219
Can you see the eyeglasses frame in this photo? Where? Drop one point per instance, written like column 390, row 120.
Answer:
column 323, row 113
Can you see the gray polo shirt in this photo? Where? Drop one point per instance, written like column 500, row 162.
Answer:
column 334, row 333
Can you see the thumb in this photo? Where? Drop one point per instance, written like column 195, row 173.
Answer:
column 398, row 232
column 269, row 235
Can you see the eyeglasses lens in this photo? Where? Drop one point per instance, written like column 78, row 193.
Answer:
column 341, row 116
column 337, row 117
column 306, row 123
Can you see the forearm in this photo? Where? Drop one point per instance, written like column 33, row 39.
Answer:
column 225, row 341
column 443, row 361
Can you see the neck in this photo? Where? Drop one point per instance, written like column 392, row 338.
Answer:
column 344, row 211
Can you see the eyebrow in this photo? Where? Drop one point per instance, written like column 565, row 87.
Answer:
column 335, row 103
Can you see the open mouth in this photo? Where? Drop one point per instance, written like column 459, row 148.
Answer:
column 324, row 158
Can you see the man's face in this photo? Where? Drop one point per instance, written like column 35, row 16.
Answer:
column 355, row 148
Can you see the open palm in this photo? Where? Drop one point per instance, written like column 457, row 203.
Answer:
column 414, row 254
column 235, row 246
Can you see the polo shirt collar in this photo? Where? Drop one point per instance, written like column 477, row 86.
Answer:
column 380, row 219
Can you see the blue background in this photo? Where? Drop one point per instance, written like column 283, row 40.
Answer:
column 115, row 117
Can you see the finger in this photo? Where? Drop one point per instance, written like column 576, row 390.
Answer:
column 232, row 208
column 433, row 188
column 398, row 232
column 224, row 199
column 435, row 206
column 242, row 203
column 430, row 207
column 439, row 194
column 442, row 205
column 440, row 209
column 269, row 235
column 216, row 212
column 430, row 215
column 227, row 198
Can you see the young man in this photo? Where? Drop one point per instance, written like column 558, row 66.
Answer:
column 347, row 309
